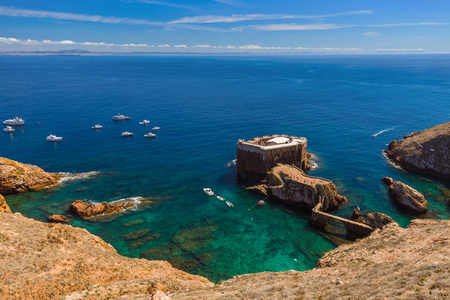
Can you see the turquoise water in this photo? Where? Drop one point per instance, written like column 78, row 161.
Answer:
column 203, row 106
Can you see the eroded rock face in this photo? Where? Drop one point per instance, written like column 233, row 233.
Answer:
column 3, row 205
column 427, row 151
column 58, row 219
column 408, row 197
column 292, row 186
column 87, row 210
column 378, row 220
column 16, row 177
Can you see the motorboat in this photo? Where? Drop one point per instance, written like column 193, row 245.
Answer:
column 97, row 126
column 156, row 128
column 261, row 202
column 229, row 203
column 14, row 122
column 54, row 138
column 120, row 117
column 8, row 129
column 221, row 198
column 145, row 122
column 208, row 191
column 126, row 134
column 149, row 135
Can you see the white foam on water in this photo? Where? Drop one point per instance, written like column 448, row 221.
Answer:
column 382, row 131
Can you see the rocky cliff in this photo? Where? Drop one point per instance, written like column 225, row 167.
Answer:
column 16, row 177
column 3, row 205
column 47, row 261
column 292, row 186
column 427, row 151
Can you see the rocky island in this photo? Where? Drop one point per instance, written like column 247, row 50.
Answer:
column 426, row 151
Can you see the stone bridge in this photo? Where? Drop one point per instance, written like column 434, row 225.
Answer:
column 354, row 229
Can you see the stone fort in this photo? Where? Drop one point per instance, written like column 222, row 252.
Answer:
column 258, row 156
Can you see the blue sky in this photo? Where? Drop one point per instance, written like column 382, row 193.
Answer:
column 213, row 26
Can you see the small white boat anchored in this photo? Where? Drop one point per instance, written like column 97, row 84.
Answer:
column 221, row 198
column 54, row 138
column 208, row 191
column 126, row 134
column 97, row 126
column 120, row 117
column 14, row 122
column 149, row 135
column 156, row 128
column 145, row 122
column 9, row 129
column 229, row 203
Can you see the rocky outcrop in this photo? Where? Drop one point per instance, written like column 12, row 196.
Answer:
column 387, row 180
column 48, row 261
column 392, row 263
column 88, row 210
column 408, row 197
column 58, row 219
column 3, row 205
column 294, row 187
column 16, row 177
column 427, row 151
column 377, row 220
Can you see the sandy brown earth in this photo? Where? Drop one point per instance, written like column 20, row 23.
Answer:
column 427, row 151
column 393, row 263
column 46, row 261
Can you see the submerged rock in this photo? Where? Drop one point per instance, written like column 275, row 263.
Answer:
column 408, row 197
column 58, row 219
column 4, row 206
column 427, row 151
column 135, row 234
column 140, row 242
column 135, row 222
column 16, row 177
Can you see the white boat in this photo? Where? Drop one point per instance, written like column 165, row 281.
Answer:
column 229, row 203
column 149, row 135
column 8, row 129
column 126, row 133
column 145, row 122
column 54, row 138
column 15, row 121
column 156, row 128
column 120, row 117
column 221, row 198
column 97, row 126
column 208, row 191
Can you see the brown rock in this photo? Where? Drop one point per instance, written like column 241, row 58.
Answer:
column 378, row 220
column 387, row 180
column 355, row 214
column 158, row 295
column 408, row 197
column 427, row 151
column 86, row 210
column 58, row 219
column 4, row 206
column 16, row 177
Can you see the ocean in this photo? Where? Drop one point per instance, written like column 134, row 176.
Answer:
column 203, row 105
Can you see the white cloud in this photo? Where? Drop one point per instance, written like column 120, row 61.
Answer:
column 180, row 46
column 13, row 12
column 202, row 46
column 284, row 27
column 256, row 17
column 169, row 4
column 234, row 3
column 4, row 40
column 163, row 46
column 408, row 24
column 371, row 33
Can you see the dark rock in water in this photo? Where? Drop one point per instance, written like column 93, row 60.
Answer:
column 427, row 151
column 387, row 180
column 136, row 234
column 58, row 219
column 198, row 233
column 355, row 214
column 378, row 220
column 408, row 197
column 206, row 258
column 140, row 242
column 132, row 223
column 184, row 263
column 157, row 253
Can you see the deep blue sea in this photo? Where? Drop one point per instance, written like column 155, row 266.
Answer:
column 203, row 106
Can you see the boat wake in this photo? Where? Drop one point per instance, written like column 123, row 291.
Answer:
column 382, row 131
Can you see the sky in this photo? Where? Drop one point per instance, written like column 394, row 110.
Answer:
column 231, row 26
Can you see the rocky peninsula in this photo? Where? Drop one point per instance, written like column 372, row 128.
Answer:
column 426, row 152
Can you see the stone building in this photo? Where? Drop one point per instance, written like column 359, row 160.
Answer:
column 256, row 157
